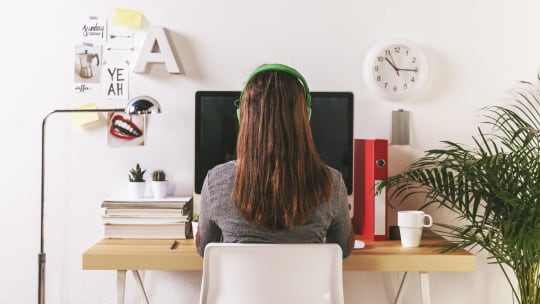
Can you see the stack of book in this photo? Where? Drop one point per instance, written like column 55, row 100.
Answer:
column 164, row 218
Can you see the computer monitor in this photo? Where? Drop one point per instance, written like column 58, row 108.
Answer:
column 216, row 129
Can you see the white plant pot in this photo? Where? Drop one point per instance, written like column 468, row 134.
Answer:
column 137, row 189
column 159, row 189
column 194, row 228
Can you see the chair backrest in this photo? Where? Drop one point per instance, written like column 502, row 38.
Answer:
column 272, row 273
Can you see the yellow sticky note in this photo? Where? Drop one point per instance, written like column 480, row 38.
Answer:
column 127, row 17
column 86, row 117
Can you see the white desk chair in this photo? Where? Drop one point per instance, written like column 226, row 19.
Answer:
column 272, row 273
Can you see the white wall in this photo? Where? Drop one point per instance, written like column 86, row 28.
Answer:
column 478, row 50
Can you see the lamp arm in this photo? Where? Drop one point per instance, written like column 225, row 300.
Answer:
column 42, row 255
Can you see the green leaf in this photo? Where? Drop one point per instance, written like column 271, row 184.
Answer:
column 493, row 188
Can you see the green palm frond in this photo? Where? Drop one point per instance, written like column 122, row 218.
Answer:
column 492, row 187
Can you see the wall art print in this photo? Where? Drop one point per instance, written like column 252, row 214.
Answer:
column 125, row 130
column 87, row 67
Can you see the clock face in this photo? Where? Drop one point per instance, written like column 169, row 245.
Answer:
column 396, row 70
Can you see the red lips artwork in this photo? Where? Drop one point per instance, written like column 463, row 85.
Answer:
column 125, row 130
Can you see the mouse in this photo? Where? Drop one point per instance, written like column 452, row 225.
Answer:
column 359, row 244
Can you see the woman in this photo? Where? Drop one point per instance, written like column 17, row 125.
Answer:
column 279, row 190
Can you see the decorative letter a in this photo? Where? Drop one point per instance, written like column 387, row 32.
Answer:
column 157, row 49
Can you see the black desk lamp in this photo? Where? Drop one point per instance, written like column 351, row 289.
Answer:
column 141, row 105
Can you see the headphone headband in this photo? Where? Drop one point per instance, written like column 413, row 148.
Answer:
column 280, row 68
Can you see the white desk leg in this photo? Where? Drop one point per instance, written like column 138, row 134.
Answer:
column 402, row 286
column 424, row 287
column 120, row 286
column 140, row 286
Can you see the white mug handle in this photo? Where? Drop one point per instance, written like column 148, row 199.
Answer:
column 430, row 220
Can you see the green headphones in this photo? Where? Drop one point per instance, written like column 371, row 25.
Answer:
column 281, row 68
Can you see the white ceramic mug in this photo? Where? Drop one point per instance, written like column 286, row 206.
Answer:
column 411, row 223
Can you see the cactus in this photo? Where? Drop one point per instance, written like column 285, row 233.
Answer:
column 137, row 174
column 158, row 176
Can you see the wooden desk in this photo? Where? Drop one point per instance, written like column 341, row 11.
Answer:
column 152, row 254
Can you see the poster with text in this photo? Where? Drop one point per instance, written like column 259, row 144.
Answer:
column 116, row 80
column 93, row 29
column 125, row 130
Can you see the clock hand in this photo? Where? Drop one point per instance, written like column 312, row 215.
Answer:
column 394, row 63
column 392, row 58
column 393, row 66
column 410, row 70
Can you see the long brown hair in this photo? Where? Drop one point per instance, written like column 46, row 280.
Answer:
column 280, row 178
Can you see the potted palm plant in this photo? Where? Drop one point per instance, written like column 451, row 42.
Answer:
column 493, row 188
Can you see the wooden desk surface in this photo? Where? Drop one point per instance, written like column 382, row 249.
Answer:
column 154, row 254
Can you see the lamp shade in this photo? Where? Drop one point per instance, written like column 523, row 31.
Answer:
column 143, row 105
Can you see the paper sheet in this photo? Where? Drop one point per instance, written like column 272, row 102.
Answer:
column 82, row 119
column 130, row 18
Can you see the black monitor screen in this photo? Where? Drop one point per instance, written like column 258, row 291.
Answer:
column 216, row 129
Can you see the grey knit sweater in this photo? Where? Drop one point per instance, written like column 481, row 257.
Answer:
column 219, row 220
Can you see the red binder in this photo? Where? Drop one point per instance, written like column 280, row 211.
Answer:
column 370, row 166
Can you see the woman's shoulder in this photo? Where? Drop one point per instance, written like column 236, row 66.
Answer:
column 220, row 169
column 222, row 173
column 220, row 179
column 339, row 191
column 335, row 174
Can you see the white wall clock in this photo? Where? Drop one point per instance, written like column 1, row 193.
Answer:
column 396, row 69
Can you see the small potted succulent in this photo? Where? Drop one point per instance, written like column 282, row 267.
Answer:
column 159, row 184
column 137, row 184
